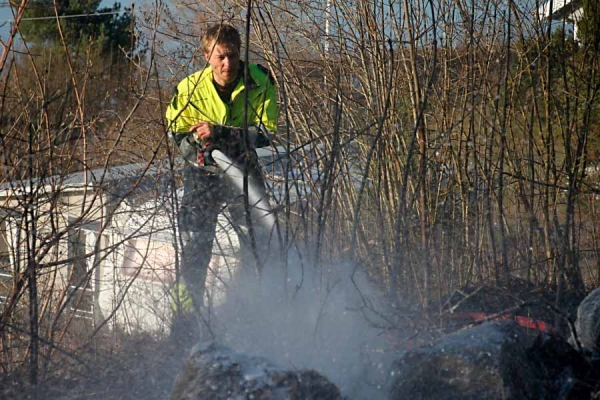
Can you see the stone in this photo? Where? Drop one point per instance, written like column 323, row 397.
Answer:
column 587, row 324
column 494, row 360
column 215, row 372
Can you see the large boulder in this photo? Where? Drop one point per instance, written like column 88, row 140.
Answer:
column 549, row 369
column 495, row 360
column 587, row 325
column 215, row 372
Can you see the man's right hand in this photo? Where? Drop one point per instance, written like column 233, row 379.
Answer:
column 202, row 131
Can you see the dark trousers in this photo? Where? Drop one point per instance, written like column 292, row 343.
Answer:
column 205, row 196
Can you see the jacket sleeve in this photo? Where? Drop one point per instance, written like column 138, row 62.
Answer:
column 267, row 114
column 180, row 118
column 268, row 111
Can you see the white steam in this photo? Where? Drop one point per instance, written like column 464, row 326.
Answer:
column 299, row 316
column 306, row 321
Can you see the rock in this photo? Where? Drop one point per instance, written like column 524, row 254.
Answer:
column 215, row 372
column 495, row 360
column 551, row 369
column 587, row 325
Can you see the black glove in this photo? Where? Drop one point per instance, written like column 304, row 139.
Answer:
column 208, row 147
column 232, row 139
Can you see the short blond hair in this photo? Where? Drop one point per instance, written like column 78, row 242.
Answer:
column 221, row 34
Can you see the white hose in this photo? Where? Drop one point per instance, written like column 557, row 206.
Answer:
column 260, row 208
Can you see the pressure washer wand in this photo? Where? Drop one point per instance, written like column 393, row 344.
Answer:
column 260, row 209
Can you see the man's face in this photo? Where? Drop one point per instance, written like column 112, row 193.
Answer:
column 225, row 61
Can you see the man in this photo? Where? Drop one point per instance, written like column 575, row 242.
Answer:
column 207, row 112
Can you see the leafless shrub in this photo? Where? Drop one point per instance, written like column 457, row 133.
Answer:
column 436, row 144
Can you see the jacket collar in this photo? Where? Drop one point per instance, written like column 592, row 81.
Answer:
column 252, row 84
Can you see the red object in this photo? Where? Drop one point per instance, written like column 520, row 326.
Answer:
column 533, row 323
column 200, row 157
column 525, row 322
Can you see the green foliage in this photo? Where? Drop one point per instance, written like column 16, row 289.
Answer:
column 589, row 25
column 107, row 34
column 561, row 52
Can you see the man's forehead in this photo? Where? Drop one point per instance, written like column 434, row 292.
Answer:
column 223, row 48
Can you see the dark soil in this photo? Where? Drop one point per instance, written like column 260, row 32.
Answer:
column 141, row 368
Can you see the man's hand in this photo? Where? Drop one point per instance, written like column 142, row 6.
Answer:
column 202, row 131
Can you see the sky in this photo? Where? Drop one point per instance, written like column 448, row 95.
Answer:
column 5, row 17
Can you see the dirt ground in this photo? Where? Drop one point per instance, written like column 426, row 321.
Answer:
column 142, row 368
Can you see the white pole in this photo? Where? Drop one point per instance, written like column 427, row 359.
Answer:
column 326, row 47
column 327, row 17
column 259, row 204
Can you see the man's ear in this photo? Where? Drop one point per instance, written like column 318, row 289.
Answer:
column 206, row 56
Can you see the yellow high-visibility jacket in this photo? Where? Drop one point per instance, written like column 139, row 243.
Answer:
column 196, row 100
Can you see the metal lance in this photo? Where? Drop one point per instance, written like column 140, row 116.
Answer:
column 260, row 209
